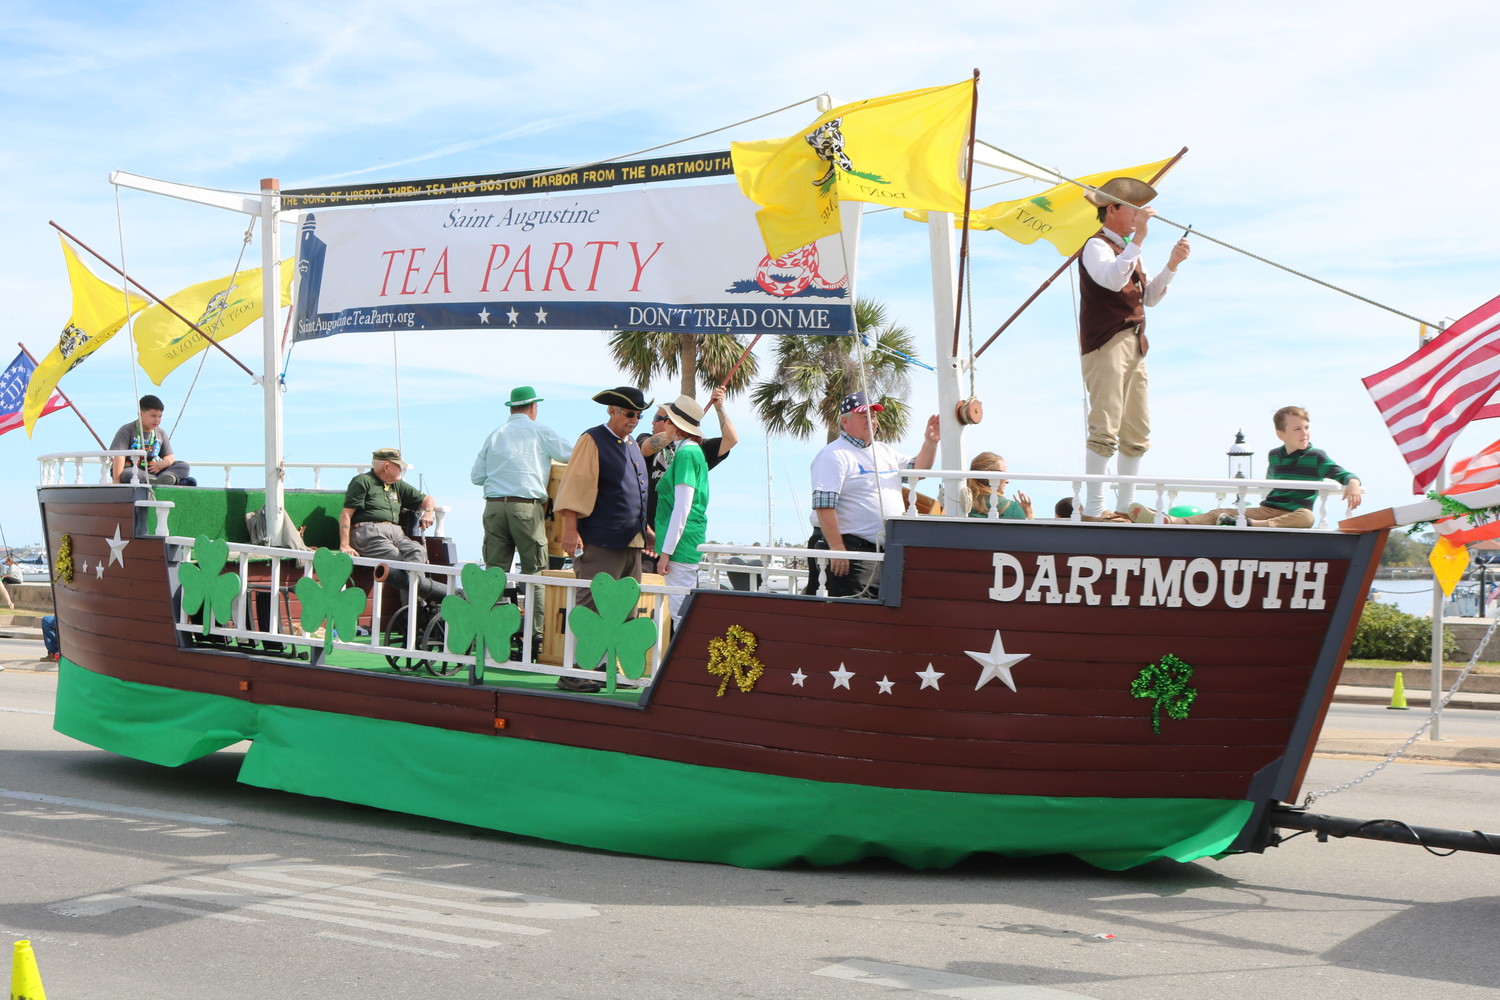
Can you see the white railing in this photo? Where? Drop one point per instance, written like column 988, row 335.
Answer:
column 1158, row 493
column 274, row 629
column 54, row 467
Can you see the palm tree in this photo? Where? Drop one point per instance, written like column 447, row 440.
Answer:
column 813, row 373
column 700, row 360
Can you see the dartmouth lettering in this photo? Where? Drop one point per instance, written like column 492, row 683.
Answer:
column 1148, row 582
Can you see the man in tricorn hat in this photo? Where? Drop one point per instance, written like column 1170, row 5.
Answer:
column 602, row 501
column 1114, row 293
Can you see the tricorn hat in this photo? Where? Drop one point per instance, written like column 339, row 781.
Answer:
column 627, row 396
column 523, row 395
column 1117, row 189
column 686, row 414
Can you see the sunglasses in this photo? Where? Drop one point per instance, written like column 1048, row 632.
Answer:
column 658, row 418
column 631, row 414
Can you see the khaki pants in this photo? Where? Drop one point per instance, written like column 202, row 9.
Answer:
column 1278, row 518
column 515, row 528
column 1119, row 410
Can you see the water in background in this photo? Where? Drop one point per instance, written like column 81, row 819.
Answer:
column 1415, row 597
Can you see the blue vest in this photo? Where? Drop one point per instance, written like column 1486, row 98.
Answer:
column 620, row 506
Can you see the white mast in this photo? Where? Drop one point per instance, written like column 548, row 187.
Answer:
column 951, row 451
column 267, row 208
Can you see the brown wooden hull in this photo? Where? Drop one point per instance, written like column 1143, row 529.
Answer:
column 1263, row 674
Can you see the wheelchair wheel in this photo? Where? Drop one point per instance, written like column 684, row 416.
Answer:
column 395, row 635
column 433, row 637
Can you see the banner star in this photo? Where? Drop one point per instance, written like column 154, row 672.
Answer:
column 116, row 548
column 841, row 677
column 885, row 684
column 541, row 315
column 484, row 315
column 799, row 679
column 997, row 663
column 513, row 316
column 929, row 678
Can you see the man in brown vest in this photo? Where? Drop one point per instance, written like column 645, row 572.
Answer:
column 1115, row 291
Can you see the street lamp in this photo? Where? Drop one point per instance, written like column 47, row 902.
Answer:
column 1239, row 457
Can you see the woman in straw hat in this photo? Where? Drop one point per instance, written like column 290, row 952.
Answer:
column 682, row 501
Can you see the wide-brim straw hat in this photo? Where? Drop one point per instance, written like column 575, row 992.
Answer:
column 1121, row 189
column 685, row 412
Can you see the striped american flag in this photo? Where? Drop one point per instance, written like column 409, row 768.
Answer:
column 1428, row 398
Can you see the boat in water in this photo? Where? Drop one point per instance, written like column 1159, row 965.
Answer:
column 1118, row 692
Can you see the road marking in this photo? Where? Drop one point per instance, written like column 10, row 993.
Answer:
column 26, row 711
column 945, row 984
column 386, row 944
column 109, row 807
column 366, row 899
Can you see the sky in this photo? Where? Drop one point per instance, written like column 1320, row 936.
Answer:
column 1347, row 141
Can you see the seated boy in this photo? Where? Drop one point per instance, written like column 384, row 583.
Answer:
column 1295, row 459
column 160, row 466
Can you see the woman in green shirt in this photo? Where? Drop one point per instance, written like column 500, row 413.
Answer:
column 983, row 491
column 682, row 502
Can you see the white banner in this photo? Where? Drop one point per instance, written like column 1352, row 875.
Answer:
column 682, row 260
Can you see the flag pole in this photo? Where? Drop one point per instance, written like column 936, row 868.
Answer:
column 152, row 296
column 743, row 355
column 963, row 241
column 71, row 405
column 1065, row 265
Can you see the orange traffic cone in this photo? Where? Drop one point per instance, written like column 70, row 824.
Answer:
column 25, row 980
column 1398, row 694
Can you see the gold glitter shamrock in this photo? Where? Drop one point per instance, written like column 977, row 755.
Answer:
column 731, row 657
column 63, row 568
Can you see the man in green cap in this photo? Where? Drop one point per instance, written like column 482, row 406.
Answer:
column 370, row 523
column 513, row 466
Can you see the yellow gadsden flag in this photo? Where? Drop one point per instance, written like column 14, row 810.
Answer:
column 1060, row 215
column 904, row 150
column 99, row 309
column 221, row 308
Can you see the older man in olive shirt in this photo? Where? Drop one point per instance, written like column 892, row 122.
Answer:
column 370, row 523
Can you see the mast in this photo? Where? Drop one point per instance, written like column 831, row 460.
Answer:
column 951, row 450
column 267, row 208
column 270, row 380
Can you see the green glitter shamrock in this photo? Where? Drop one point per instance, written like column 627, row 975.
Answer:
column 1167, row 682
column 611, row 632
column 475, row 618
column 204, row 587
column 325, row 599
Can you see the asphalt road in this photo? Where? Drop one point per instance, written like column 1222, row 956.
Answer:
column 135, row 881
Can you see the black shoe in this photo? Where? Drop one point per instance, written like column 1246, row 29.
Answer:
column 580, row 684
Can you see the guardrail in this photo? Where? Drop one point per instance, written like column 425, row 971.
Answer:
column 412, row 648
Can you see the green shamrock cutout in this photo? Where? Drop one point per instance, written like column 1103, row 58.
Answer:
column 611, row 632
column 1167, row 682
column 203, row 586
column 326, row 599
column 475, row 618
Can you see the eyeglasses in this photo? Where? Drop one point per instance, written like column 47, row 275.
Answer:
column 658, row 418
column 632, row 414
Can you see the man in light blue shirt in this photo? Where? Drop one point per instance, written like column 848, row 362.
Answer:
column 513, row 467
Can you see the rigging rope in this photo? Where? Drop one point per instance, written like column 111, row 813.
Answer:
column 218, row 321
column 1253, row 256
column 439, row 192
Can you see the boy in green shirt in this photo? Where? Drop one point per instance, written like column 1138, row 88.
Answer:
column 1282, row 508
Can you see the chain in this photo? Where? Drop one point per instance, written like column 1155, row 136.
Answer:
column 1394, row 755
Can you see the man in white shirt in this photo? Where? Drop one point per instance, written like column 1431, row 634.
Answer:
column 1114, row 291
column 857, row 485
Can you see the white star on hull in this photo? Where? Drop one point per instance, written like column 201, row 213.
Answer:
column 997, row 663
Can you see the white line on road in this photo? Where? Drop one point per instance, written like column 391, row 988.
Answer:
column 26, row 711
column 945, row 984
column 387, row 944
column 109, row 807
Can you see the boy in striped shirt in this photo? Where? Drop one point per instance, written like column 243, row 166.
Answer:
column 1282, row 508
